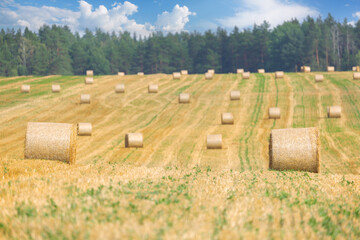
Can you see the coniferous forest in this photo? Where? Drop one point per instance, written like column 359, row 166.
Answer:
column 56, row 50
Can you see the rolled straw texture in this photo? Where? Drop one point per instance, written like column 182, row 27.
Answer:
column 153, row 88
column 120, row 88
column 319, row 78
column 184, row 98
column 133, row 140
column 89, row 73
column 356, row 75
column 84, row 129
column 354, row 69
column 212, row 71
column 55, row 88
column 121, row 74
column 274, row 113
column 25, row 88
column 85, row 98
column 235, row 95
column 184, row 72
column 214, row 141
column 51, row 141
column 140, row 74
column 245, row 75
column 240, row 70
column 307, row 69
column 176, row 75
column 261, row 70
column 295, row 149
column 279, row 74
column 334, row 112
column 331, row 69
column 208, row 76
column 89, row 80
column 227, row 118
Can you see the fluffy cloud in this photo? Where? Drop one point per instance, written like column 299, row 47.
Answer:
column 357, row 14
column 116, row 18
column 273, row 11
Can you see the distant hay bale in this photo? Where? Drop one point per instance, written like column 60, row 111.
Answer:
column 55, row 88
column 212, row 71
column 89, row 73
column 245, row 75
column 134, row 140
column 89, row 80
column 334, row 112
column 274, row 113
column 356, row 75
column 279, row 74
column 331, row 69
column 239, row 71
column 295, row 149
column 306, row 69
column 184, row 72
column 214, row 141
column 354, row 69
column 140, row 74
column 261, row 70
column 121, row 74
column 51, row 141
column 235, row 95
column 153, row 88
column 85, row 99
column 319, row 78
column 184, row 98
column 302, row 68
column 84, row 129
column 25, row 88
column 176, row 75
column 209, row 76
column 227, row 118
column 120, row 88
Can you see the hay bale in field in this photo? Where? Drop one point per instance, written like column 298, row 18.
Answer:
column 51, row 141
column 214, row 141
column 245, row 75
column 354, row 69
column 319, row 78
column 85, row 99
column 89, row 80
column 184, row 98
column 358, row 68
column 279, row 74
column 227, row 118
column 356, row 75
column 334, row 112
column 120, row 88
column 25, row 88
column 153, row 88
column 302, row 68
column 261, row 70
column 134, row 140
column 240, row 70
column 212, row 71
column 55, row 88
column 274, row 113
column 84, row 129
column 121, row 74
column 331, row 69
column 235, row 95
column 209, row 76
column 184, row 72
column 176, row 75
column 89, row 73
column 306, row 69
column 140, row 74
column 295, row 149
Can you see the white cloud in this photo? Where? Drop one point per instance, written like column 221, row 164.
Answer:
column 273, row 11
column 174, row 21
column 357, row 14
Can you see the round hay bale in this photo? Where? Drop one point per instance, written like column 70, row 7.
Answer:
column 51, row 141
column 153, row 88
column 331, row 69
column 120, row 88
column 356, row 75
column 354, row 69
column 334, row 112
column 212, row 71
column 121, row 74
column 184, row 98
column 261, row 70
column 55, row 88
column 25, row 88
column 302, row 68
column 235, row 95
column 295, row 149
column 245, row 75
column 140, row 74
column 89, row 80
column 319, row 78
column 214, row 141
column 306, row 69
column 227, row 118
column 184, row 72
column 85, row 99
column 208, row 76
column 274, row 113
column 89, row 73
column 279, row 74
column 239, row 71
column 176, row 75
column 133, row 140
column 84, row 129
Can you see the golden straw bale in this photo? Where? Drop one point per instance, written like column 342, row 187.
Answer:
column 245, row 75
column 208, row 76
column 295, row 149
column 176, row 75
column 55, row 88
column 121, row 74
column 227, row 118
column 120, row 88
column 302, row 68
column 184, row 72
column 354, row 69
column 214, row 141
column 89, row 80
column 274, row 113
column 212, row 71
column 153, row 88
column 51, row 141
column 334, row 112
column 331, row 69
column 184, row 98
column 25, row 88
column 279, row 74
column 235, row 95
column 140, row 74
column 356, row 75
column 89, row 73
column 306, row 69
column 240, row 70
column 319, row 78
column 133, row 140
column 85, row 99
column 84, row 129
column 261, row 70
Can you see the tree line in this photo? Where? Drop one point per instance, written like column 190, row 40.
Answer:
column 56, row 50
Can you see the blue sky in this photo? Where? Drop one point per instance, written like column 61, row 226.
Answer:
column 146, row 16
